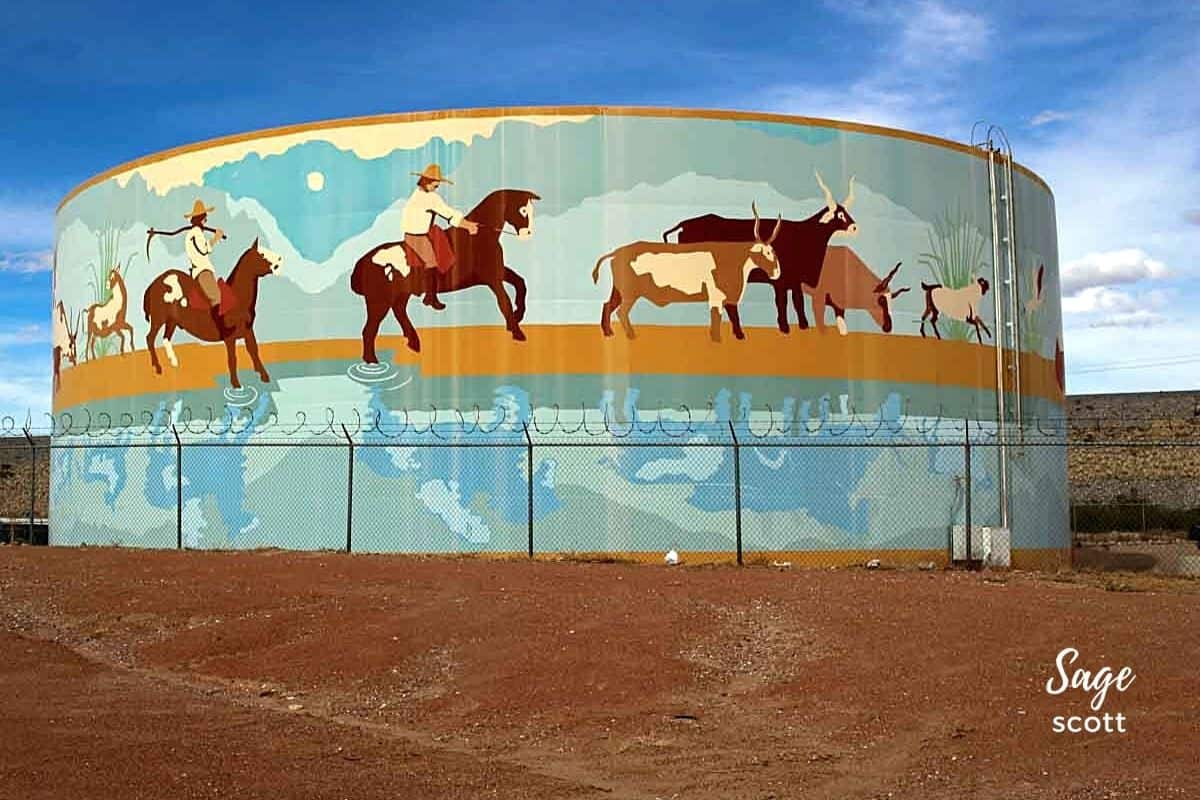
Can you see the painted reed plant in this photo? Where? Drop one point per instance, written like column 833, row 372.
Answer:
column 955, row 257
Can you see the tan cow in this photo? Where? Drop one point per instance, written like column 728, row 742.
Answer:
column 847, row 282
column 699, row 272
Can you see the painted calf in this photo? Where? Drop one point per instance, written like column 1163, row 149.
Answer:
column 62, row 338
column 846, row 282
column 961, row 304
column 701, row 272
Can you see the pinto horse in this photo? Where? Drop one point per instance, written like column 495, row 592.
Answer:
column 386, row 281
column 174, row 300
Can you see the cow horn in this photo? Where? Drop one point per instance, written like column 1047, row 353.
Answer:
column 900, row 291
column 775, row 231
column 830, row 203
column 849, row 201
column 754, row 208
column 883, row 284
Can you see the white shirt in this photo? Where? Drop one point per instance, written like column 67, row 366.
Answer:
column 197, row 247
column 417, row 218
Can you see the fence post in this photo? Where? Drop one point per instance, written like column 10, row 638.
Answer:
column 178, row 488
column 349, row 489
column 967, row 492
column 32, row 481
column 529, row 494
column 737, row 492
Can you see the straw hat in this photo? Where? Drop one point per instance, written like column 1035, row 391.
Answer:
column 198, row 208
column 433, row 173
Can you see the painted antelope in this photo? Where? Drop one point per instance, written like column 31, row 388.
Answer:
column 801, row 247
column 108, row 318
column 63, row 340
column 174, row 300
column 846, row 282
column 961, row 304
column 703, row 272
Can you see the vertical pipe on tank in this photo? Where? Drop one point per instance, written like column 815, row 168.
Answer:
column 1014, row 292
column 1001, row 412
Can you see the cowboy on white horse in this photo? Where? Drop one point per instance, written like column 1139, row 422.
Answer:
column 423, row 206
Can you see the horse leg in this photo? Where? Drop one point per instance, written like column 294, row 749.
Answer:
column 252, row 349
column 614, row 300
column 510, row 319
column 231, row 360
column 781, row 308
column 154, row 327
column 714, row 323
column 400, row 311
column 127, row 328
column 376, row 311
column 518, row 284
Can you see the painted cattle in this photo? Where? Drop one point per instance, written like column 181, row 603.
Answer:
column 801, row 246
column 960, row 304
column 846, row 282
column 703, row 272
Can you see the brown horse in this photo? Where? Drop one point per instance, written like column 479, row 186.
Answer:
column 386, row 282
column 174, row 300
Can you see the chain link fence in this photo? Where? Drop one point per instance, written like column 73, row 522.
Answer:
column 927, row 493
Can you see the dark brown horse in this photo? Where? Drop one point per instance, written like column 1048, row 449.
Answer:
column 386, row 282
column 174, row 300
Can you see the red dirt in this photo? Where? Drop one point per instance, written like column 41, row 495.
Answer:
column 150, row 674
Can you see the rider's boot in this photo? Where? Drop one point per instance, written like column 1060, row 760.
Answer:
column 431, row 282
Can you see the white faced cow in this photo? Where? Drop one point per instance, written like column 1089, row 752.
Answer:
column 699, row 272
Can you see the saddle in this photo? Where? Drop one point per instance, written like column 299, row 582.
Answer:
column 443, row 251
column 229, row 298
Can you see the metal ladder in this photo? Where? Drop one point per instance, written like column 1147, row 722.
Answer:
column 1005, row 297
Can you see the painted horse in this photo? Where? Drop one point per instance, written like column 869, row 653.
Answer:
column 174, row 300
column 386, row 281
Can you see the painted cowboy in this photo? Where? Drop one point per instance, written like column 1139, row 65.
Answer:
column 424, row 242
column 198, row 247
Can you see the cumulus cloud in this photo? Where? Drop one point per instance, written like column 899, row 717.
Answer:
column 1109, row 268
column 1049, row 115
column 26, row 261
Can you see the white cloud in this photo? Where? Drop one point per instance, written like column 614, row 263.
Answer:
column 24, row 334
column 1128, row 265
column 1049, row 115
column 25, row 223
column 913, row 79
column 26, row 261
column 1141, row 318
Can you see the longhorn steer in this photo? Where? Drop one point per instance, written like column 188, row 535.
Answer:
column 801, row 246
column 961, row 304
column 663, row 273
column 847, row 282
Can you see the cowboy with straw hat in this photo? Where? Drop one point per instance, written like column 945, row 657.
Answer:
column 197, row 246
column 423, row 206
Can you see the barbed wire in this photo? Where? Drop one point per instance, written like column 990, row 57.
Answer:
column 678, row 422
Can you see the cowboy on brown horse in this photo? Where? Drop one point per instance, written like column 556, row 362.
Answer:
column 198, row 248
column 425, row 244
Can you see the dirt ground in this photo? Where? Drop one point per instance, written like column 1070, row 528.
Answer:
column 131, row 674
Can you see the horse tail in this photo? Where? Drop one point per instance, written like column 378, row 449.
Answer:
column 356, row 278
column 599, row 262
column 927, row 286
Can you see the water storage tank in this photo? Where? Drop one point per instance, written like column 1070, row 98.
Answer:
column 586, row 328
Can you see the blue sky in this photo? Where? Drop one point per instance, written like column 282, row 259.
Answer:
column 1100, row 99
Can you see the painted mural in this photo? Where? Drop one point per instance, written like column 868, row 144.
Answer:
column 442, row 275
